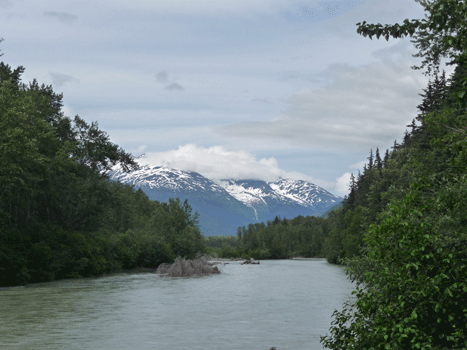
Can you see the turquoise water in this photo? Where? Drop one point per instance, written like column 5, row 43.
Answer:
column 286, row 304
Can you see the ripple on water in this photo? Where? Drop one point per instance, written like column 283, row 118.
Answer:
column 286, row 304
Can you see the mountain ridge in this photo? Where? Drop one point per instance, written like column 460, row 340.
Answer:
column 228, row 204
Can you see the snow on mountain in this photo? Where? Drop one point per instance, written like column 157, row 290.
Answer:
column 155, row 177
column 254, row 192
column 303, row 192
column 228, row 204
column 248, row 192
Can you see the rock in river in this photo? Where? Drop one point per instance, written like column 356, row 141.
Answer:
column 186, row 268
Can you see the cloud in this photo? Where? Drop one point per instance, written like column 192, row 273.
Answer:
column 68, row 111
column 59, row 79
column 293, row 76
column 262, row 100
column 363, row 107
column 174, row 86
column 141, row 149
column 342, row 184
column 62, row 16
column 221, row 8
column 162, row 77
column 359, row 165
column 5, row 4
column 322, row 10
column 217, row 163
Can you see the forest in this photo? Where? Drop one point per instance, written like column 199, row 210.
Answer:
column 276, row 239
column 402, row 228
column 60, row 215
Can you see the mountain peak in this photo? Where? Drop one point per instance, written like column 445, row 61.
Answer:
column 228, row 204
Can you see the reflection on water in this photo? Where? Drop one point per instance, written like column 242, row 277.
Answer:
column 286, row 304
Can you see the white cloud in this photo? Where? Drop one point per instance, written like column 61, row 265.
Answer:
column 62, row 16
column 69, row 111
column 262, row 100
column 364, row 107
column 358, row 165
column 215, row 8
column 141, row 149
column 5, row 4
column 217, row 163
column 59, row 79
column 174, row 86
column 342, row 184
column 162, row 77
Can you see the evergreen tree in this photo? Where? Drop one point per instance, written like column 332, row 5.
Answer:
column 378, row 161
column 410, row 273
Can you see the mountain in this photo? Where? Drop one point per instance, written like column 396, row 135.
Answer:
column 226, row 205
column 288, row 197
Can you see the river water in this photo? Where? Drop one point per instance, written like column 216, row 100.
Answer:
column 287, row 304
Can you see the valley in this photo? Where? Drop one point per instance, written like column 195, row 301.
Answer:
column 225, row 205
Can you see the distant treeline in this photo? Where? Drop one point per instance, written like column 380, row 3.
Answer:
column 60, row 216
column 277, row 239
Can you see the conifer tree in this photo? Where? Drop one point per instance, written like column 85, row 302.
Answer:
column 378, row 162
column 370, row 159
column 386, row 158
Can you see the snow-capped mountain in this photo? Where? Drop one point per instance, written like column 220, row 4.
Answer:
column 288, row 197
column 156, row 177
column 304, row 193
column 229, row 204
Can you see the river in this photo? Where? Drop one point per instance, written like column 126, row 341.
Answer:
column 284, row 303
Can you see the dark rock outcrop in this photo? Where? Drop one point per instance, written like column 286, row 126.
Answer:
column 187, row 268
column 250, row 262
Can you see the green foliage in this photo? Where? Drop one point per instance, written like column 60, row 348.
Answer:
column 60, row 216
column 442, row 34
column 224, row 247
column 413, row 291
column 410, row 270
column 277, row 239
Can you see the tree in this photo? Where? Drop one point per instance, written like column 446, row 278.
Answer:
column 411, row 280
column 441, row 34
column 412, row 290
column 434, row 96
column 52, row 193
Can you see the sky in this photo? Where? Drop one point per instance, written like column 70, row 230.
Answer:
column 242, row 89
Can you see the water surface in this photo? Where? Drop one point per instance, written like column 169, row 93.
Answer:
column 286, row 304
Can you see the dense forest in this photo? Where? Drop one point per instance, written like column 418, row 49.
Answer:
column 60, row 215
column 276, row 239
column 402, row 229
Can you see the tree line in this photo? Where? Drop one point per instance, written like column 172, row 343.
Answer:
column 402, row 230
column 276, row 239
column 60, row 215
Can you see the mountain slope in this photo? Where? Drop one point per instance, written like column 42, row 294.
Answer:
column 225, row 206
column 285, row 197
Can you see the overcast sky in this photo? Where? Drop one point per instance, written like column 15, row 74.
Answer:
column 228, row 88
